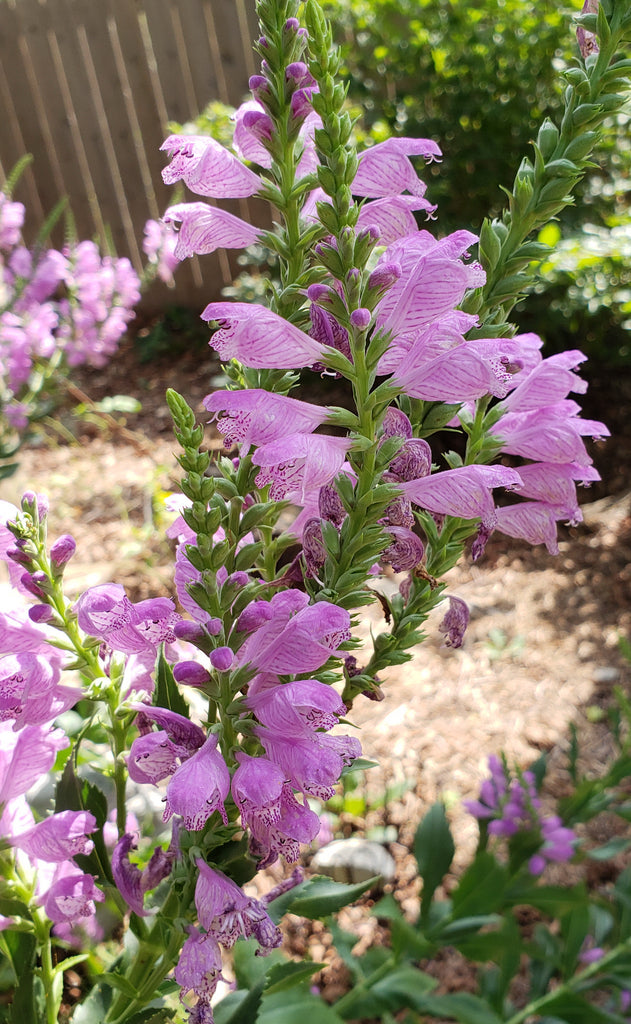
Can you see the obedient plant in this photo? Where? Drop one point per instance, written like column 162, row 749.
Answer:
column 227, row 706
column 60, row 309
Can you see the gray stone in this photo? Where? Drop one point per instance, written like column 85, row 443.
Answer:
column 606, row 674
column 354, row 860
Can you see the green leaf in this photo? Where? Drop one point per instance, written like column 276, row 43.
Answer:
column 610, row 849
column 465, row 1008
column 434, row 850
column 288, row 975
column 291, row 1007
column 167, row 693
column 322, row 896
column 574, row 1009
column 95, row 1007
column 151, row 1016
column 404, row 987
column 240, row 1007
column 481, row 888
column 551, row 899
column 251, row 969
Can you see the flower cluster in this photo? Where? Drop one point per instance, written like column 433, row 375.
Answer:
column 74, row 303
column 227, row 701
column 511, row 806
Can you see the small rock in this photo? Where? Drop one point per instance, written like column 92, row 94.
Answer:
column 606, row 674
column 354, row 860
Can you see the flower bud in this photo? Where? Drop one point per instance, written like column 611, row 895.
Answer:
column 384, row 276
column 360, row 318
column 221, row 658
column 40, row 613
column 35, row 583
column 188, row 630
column 291, row 25
column 32, row 503
column 19, row 557
column 62, row 551
column 190, row 673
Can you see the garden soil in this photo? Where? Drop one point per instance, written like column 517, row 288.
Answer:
column 541, row 651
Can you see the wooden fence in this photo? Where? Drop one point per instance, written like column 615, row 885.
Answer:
column 88, row 87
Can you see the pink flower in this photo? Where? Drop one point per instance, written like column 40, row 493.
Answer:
column 199, row 787
column 206, row 228
column 296, row 639
column 550, row 434
column 207, row 168
column 393, row 216
column 226, row 912
column 386, row 170
column 259, row 338
column 299, row 464
column 465, row 492
column 258, row 417
column 71, row 896
column 58, row 837
column 199, row 966
column 106, row 612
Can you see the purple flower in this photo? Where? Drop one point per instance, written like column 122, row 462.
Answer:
column 393, row 216
column 106, row 612
column 405, row 551
column 259, row 338
column 131, row 882
column 277, row 821
column 298, row 637
column 312, row 761
column 588, row 41
column 198, row 787
column 221, row 658
column 590, row 953
column 550, row 434
column 159, row 247
column 465, row 492
column 62, row 551
column 205, row 228
column 58, row 837
column 207, row 168
column 455, row 622
column 258, row 417
column 298, row 464
column 25, row 756
column 386, row 170
column 226, row 912
column 199, row 966
column 152, row 758
column 72, row 895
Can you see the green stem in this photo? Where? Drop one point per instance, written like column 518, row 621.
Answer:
column 53, row 990
column 574, row 984
column 364, row 987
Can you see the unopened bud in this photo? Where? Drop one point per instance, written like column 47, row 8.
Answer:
column 190, row 673
column 40, row 613
column 360, row 318
column 32, row 583
column 384, row 276
column 62, row 551
column 221, row 658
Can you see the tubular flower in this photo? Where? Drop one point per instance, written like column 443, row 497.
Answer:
column 205, row 228
column 260, row 417
column 207, row 168
column 278, row 823
column 198, row 787
column 299, row 464
column 107, row 613
column 259, row 338
column 226, row 912
column 297, row 638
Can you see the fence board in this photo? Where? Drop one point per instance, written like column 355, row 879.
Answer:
column 88, row 87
